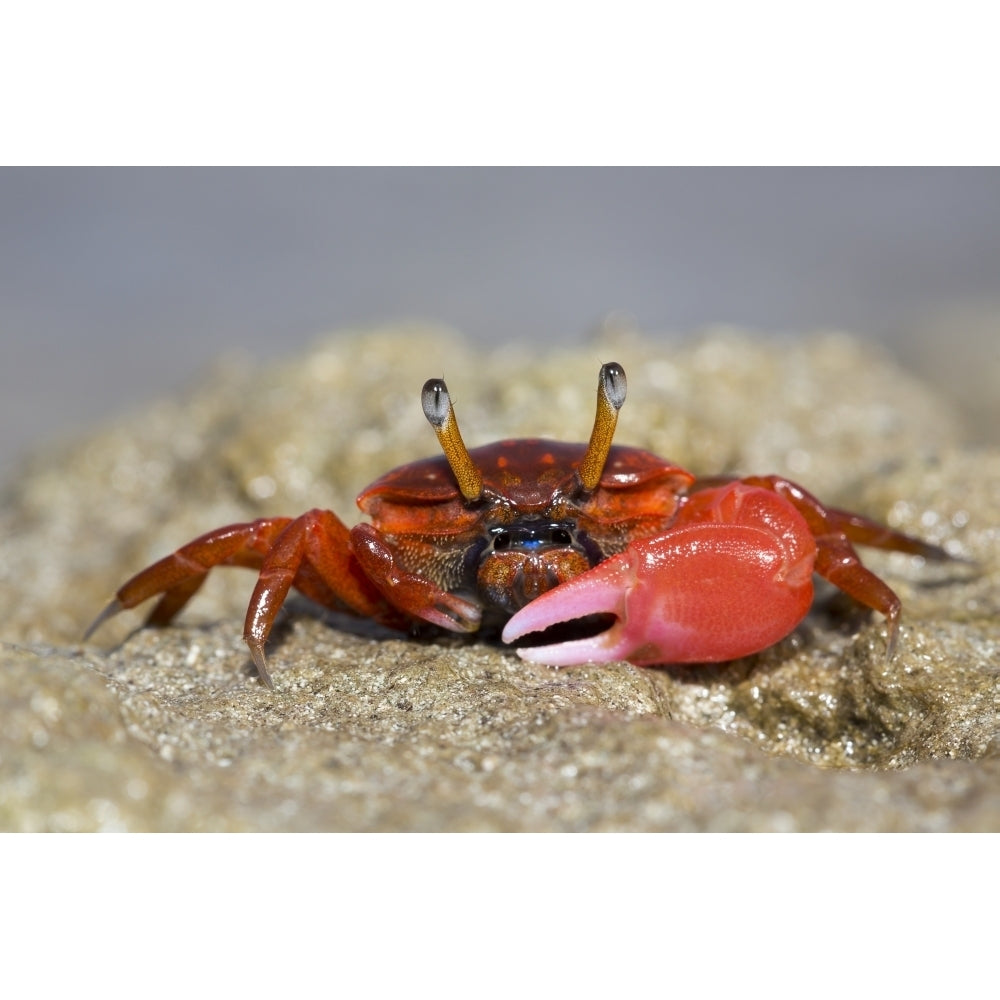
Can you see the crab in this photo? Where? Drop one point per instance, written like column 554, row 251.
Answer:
column 614, row 551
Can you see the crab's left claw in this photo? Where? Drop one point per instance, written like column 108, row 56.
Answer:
column 702, row 593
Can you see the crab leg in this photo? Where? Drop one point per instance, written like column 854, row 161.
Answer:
column 835, row 531
column 353, row 569
column 830, row 522
column 314, row 555
column 412, row 594
column 311, row 553
column 178, row 576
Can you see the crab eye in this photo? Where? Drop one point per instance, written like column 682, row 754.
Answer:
column 560, row 536
column 501, row 540
column 435, row 401
column 612, row 378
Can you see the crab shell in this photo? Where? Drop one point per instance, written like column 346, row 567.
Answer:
column 531, row 530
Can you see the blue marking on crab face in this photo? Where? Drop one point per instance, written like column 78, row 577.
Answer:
column 533, row 543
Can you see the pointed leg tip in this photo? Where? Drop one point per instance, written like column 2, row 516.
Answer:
column 260, row 662
column 113, row 607
column 891, row 642
column 455, row 614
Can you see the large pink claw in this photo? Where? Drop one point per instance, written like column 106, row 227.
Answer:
column 703, row 592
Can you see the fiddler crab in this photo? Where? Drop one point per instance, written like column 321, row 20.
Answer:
column 521, row 536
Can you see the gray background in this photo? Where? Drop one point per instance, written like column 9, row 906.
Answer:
column 118, row 284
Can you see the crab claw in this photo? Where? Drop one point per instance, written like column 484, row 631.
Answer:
column 703, row 593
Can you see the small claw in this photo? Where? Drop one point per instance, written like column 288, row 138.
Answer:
column 412, row 595
column 113, row 607
column 260, row 661
column 453, row 613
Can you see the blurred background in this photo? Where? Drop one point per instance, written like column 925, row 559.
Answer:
column 120, row 284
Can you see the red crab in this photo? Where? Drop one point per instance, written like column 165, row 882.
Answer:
column 523, row 535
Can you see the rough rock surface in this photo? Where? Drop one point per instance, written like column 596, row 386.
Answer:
column 170, row 729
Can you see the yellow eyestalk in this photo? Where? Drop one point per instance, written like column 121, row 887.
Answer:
column 610, row 397
column 441, row 415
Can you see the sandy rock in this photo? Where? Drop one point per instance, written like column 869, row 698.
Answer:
column 366, row 730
